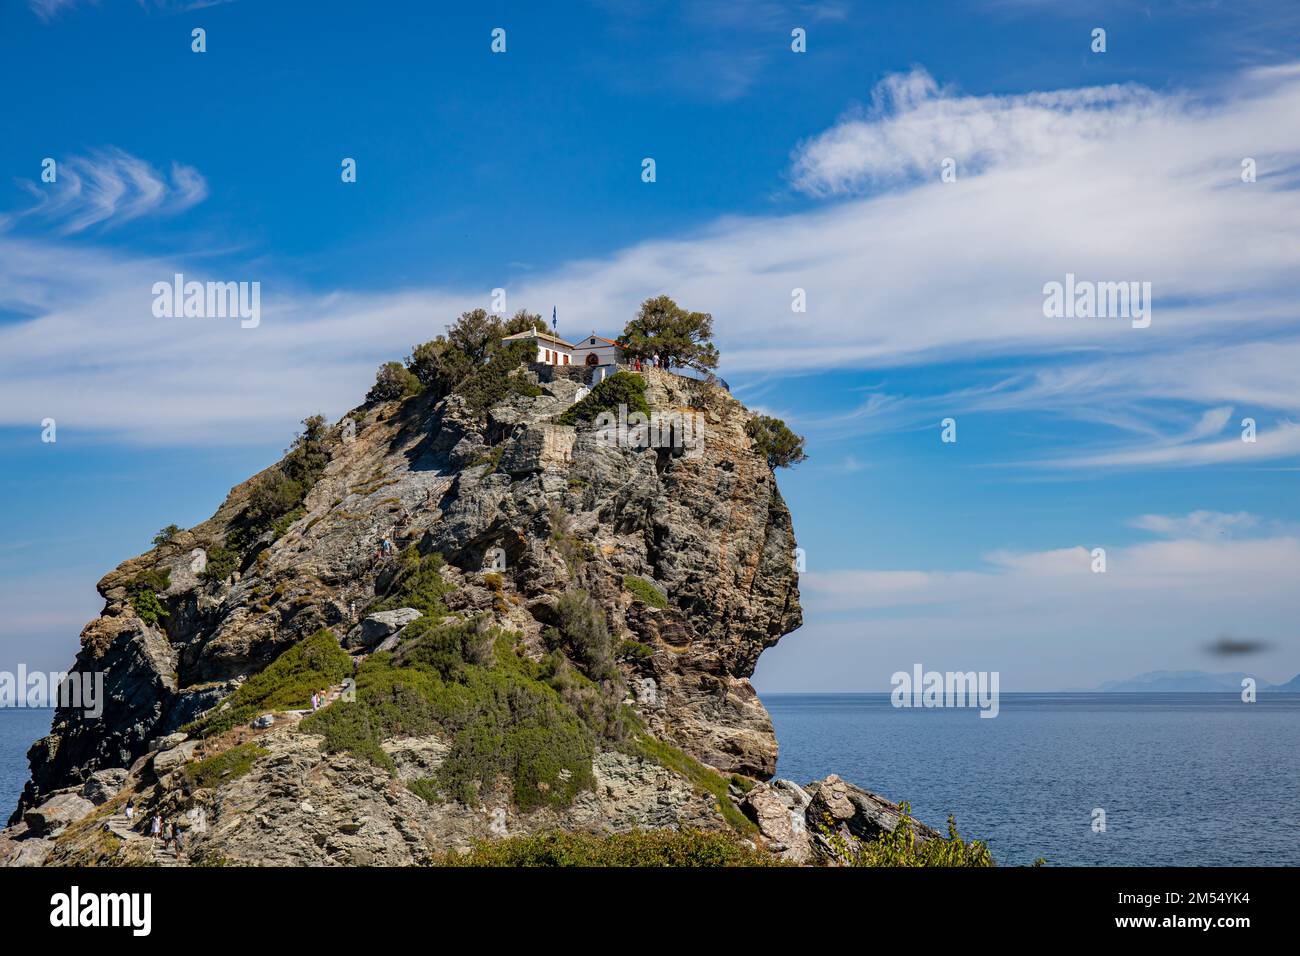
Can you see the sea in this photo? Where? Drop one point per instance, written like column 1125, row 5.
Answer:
column 20, row 727
column 1182, row 779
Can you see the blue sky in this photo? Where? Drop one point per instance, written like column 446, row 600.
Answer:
column 775, row 171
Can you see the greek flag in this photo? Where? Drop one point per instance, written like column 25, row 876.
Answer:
column 553, row 319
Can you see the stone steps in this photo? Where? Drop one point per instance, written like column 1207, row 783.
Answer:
column 120, row 827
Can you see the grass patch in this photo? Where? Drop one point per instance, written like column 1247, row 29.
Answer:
column 281, row 524
column 224, row 767
column 678, row 848
column 288, row 683
column 630, row 650
column 491, row 458
column 701, row 778
column 426, row 789
column 644, row 591
column 743, row 784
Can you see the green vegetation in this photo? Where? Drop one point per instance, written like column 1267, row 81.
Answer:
column 287, row 683
column 573, row 549
column 222, row 562
column 224, row 767
column 418, row 583
column 665, row 332
column 281, row 524
column 532, row 724
column 438, row 365
column 621, row 388
column 690, row 848
column 775, row 442
column 644, row 591
column 743, row 784
column 166, row 534
column 491, row 458
column 503, row 714
column 630, row 650
column 276, row 496
column 147, row 606
column 701, row 777
column 151, row 580
column 447, row 363
column 902, row 848
column 583, row 634
column 426, row 789
column 490, row 383
column 393, row 381
column 143, row 591
column 522, row 386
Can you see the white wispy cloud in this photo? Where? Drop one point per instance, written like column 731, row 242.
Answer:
column 109, row 187
column 1197, row 524
column 912, row 125
column 1123, row 184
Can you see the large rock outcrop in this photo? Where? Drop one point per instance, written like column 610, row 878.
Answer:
column 688, row 549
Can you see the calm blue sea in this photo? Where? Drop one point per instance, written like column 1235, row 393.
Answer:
column 20, row 727
column 1184, row 779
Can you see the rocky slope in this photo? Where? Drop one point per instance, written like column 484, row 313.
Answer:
column 687, row 551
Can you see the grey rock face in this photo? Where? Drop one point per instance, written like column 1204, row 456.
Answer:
column 805, row 825
column 539, row 448
column 850, row 813
column 380, row 625
column 780, row 809
column 166, row 761
column 559, row 509
column 103, row 785
column 57, row 813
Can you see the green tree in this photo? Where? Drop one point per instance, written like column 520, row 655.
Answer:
column 166, row 534
column 439, row 365
column 523, row 321
column 392, row 381
column 476, row 334
column 665, row 333
column 774, row 441
column 306, row 457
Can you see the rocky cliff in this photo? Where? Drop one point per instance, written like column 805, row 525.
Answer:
column 518, row 625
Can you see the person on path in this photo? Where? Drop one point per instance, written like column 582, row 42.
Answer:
column 155, row 829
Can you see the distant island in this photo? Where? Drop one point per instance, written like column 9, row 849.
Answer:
column 1193, row 682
